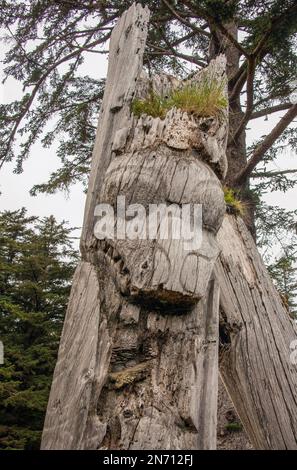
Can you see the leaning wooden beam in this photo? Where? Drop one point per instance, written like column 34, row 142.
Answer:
column 256, row 332
column 138, row 361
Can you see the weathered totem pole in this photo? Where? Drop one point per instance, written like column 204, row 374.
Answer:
column 139, row 354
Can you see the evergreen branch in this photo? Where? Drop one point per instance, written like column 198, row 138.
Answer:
column 35, row 90
column 259, row 52
column 172, row 51
column 183, row 39
column 271, row 174
column 271, row 110
column 53, row 41
column 178, row 41
column 185, row 22
column 265, row 145
column 83, row 6
column 220, row 26
column 275, row 22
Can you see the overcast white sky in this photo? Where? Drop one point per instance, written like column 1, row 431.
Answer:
column 15, row 188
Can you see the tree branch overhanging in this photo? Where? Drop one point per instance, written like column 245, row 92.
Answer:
column 219, row 25
column 267, row 142
column 258, row 53
column 271, row 110
column 185, row 22
column 270, row 174
column 171, row 51
column 36, row 88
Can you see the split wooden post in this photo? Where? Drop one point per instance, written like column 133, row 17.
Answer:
column 256, row 337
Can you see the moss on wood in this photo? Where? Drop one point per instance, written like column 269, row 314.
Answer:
column 234, row 204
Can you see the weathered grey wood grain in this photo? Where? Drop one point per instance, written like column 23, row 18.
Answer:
column 153, row 349
column 124, row 67
column 256, row 333
column 76, row 374
column 162, row 176
column 71, row 395
column 162, row 376
column 134, row 375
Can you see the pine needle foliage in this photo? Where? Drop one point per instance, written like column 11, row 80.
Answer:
column 36, row 267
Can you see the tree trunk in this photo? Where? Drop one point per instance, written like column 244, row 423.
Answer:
column 236, row 148
column 256, row 332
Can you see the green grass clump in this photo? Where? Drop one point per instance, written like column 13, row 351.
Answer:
column 233, row 427
column 154, row 106
column 203, row 99
column 234, row 204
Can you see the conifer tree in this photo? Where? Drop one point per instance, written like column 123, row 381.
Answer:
column 37, row 262
column 283, row 271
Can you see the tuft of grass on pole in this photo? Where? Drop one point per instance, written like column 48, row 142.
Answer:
column 203, row 99
column 233, row 203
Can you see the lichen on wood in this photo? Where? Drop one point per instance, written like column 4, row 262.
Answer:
column 129, row 375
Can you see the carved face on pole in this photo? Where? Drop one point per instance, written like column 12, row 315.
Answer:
column 167, row 269
column 174, row 162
